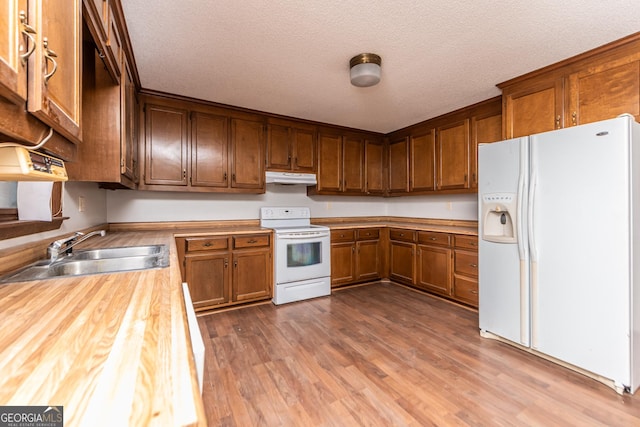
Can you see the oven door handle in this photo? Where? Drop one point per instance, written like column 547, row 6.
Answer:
column 313, row 236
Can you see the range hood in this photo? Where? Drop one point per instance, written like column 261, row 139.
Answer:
column 290, row 178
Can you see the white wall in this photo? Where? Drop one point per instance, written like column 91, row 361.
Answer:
column 147, row 206
column 95, row 213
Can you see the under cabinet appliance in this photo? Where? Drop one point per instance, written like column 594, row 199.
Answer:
column 302, row 254
column 21, row 164
column 559, row 249
column 290, row 178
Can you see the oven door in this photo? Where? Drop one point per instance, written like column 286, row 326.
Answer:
column 302, row 257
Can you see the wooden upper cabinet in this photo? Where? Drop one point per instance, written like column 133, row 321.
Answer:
column 604, row 91
column 399, row 165
column 166, row 145
column 533, row 108
column 422, row 167
column 374, row 167
column 98, row 14
column 15, row 34
column 278, row 147
column 304, row 150
column 209, row 150
column 329, row 162
column 485, row 128
column 54, row 69
column 291, row 148
column 247, row 151
column 453, row 155
column 129, row 119
column 353, row 164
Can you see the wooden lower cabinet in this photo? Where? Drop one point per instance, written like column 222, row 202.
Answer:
column 402, row 250
column 356, row 256
column 226, row 270
column 465, row 277
column 434, row 262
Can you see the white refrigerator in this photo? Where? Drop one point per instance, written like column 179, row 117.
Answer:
column 559, row 254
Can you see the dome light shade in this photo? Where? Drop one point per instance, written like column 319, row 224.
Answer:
column 365, row 69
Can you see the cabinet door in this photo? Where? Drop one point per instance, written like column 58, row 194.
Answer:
column 466, row 290
column 207, row 275
column 484, row 129
column 353, row 165
column 374, row 167
column 54, row 70
column 129, row 139
column 434, row 269
column 252, row 275
column 603, row 92
column 399, row 166
column 342, row 263
column 368, row 260
column 534, row 108
column 166, row 147
column 329, row 162
column 98, row 13
column 13, row 43
column 423, row 161
column 247, row 147
column 209, row 150
column 453, row 156
column 402, row 262
column 278, row 147
column 304, row 150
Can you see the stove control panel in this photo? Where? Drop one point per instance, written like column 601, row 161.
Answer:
column 285, row 213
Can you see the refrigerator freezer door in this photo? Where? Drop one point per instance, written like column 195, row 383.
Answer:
column 581, row 247
column 503, row 263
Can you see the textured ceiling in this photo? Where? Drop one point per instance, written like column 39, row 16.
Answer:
column 292, row 57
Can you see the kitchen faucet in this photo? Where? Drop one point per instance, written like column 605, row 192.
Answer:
column 64, row 246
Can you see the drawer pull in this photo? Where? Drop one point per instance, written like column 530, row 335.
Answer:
column 206, row 245
column 473, row 244
column 433, row 238
column 473, row 265
column 401, row 234
column 252, row 241
column 474, row 292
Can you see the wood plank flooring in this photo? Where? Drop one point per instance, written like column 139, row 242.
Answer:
column 382, row 355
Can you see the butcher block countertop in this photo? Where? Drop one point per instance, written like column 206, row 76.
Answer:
column 113, row 349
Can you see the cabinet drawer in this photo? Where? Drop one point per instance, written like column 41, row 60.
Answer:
column 250, row 241
column 343, row 235
column 466, row 290
column 206, row 243
column 466, row 263
column 437, row 239
column 368, row 234
column 402, row 235
column 467, row 242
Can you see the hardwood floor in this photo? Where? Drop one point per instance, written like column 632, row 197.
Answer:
column 383, row 354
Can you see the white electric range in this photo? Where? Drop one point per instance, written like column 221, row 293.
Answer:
column 302, row 261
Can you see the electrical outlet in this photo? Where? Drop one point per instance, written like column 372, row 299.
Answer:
column 449, row 206
column 81, row 204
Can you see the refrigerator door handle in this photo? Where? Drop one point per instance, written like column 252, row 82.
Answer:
column 532, row 252
column 520, row 233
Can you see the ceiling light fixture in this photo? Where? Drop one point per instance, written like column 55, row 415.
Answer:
column 365, row 69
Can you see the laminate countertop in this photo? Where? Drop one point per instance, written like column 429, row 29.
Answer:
column 113, row 349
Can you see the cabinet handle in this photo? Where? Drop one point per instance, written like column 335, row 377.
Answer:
column 28, row 31
column 574, row 118
column 353, row 248
column 558, row 121
column 49, row 55
column 206, row 245
column 433, row 238
column 474, row 292
column 226, row 263
column 184, row 174
column 473, row 244
column 252, row 241
column 235, row 264
column 473, row 265
column 233, row 177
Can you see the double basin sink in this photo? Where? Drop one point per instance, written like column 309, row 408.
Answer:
column 94, row 261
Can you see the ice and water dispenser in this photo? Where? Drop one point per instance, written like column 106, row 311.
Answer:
column 499, row 217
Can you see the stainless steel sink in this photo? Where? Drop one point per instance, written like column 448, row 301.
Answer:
column 126, row 251
column 95, row 261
